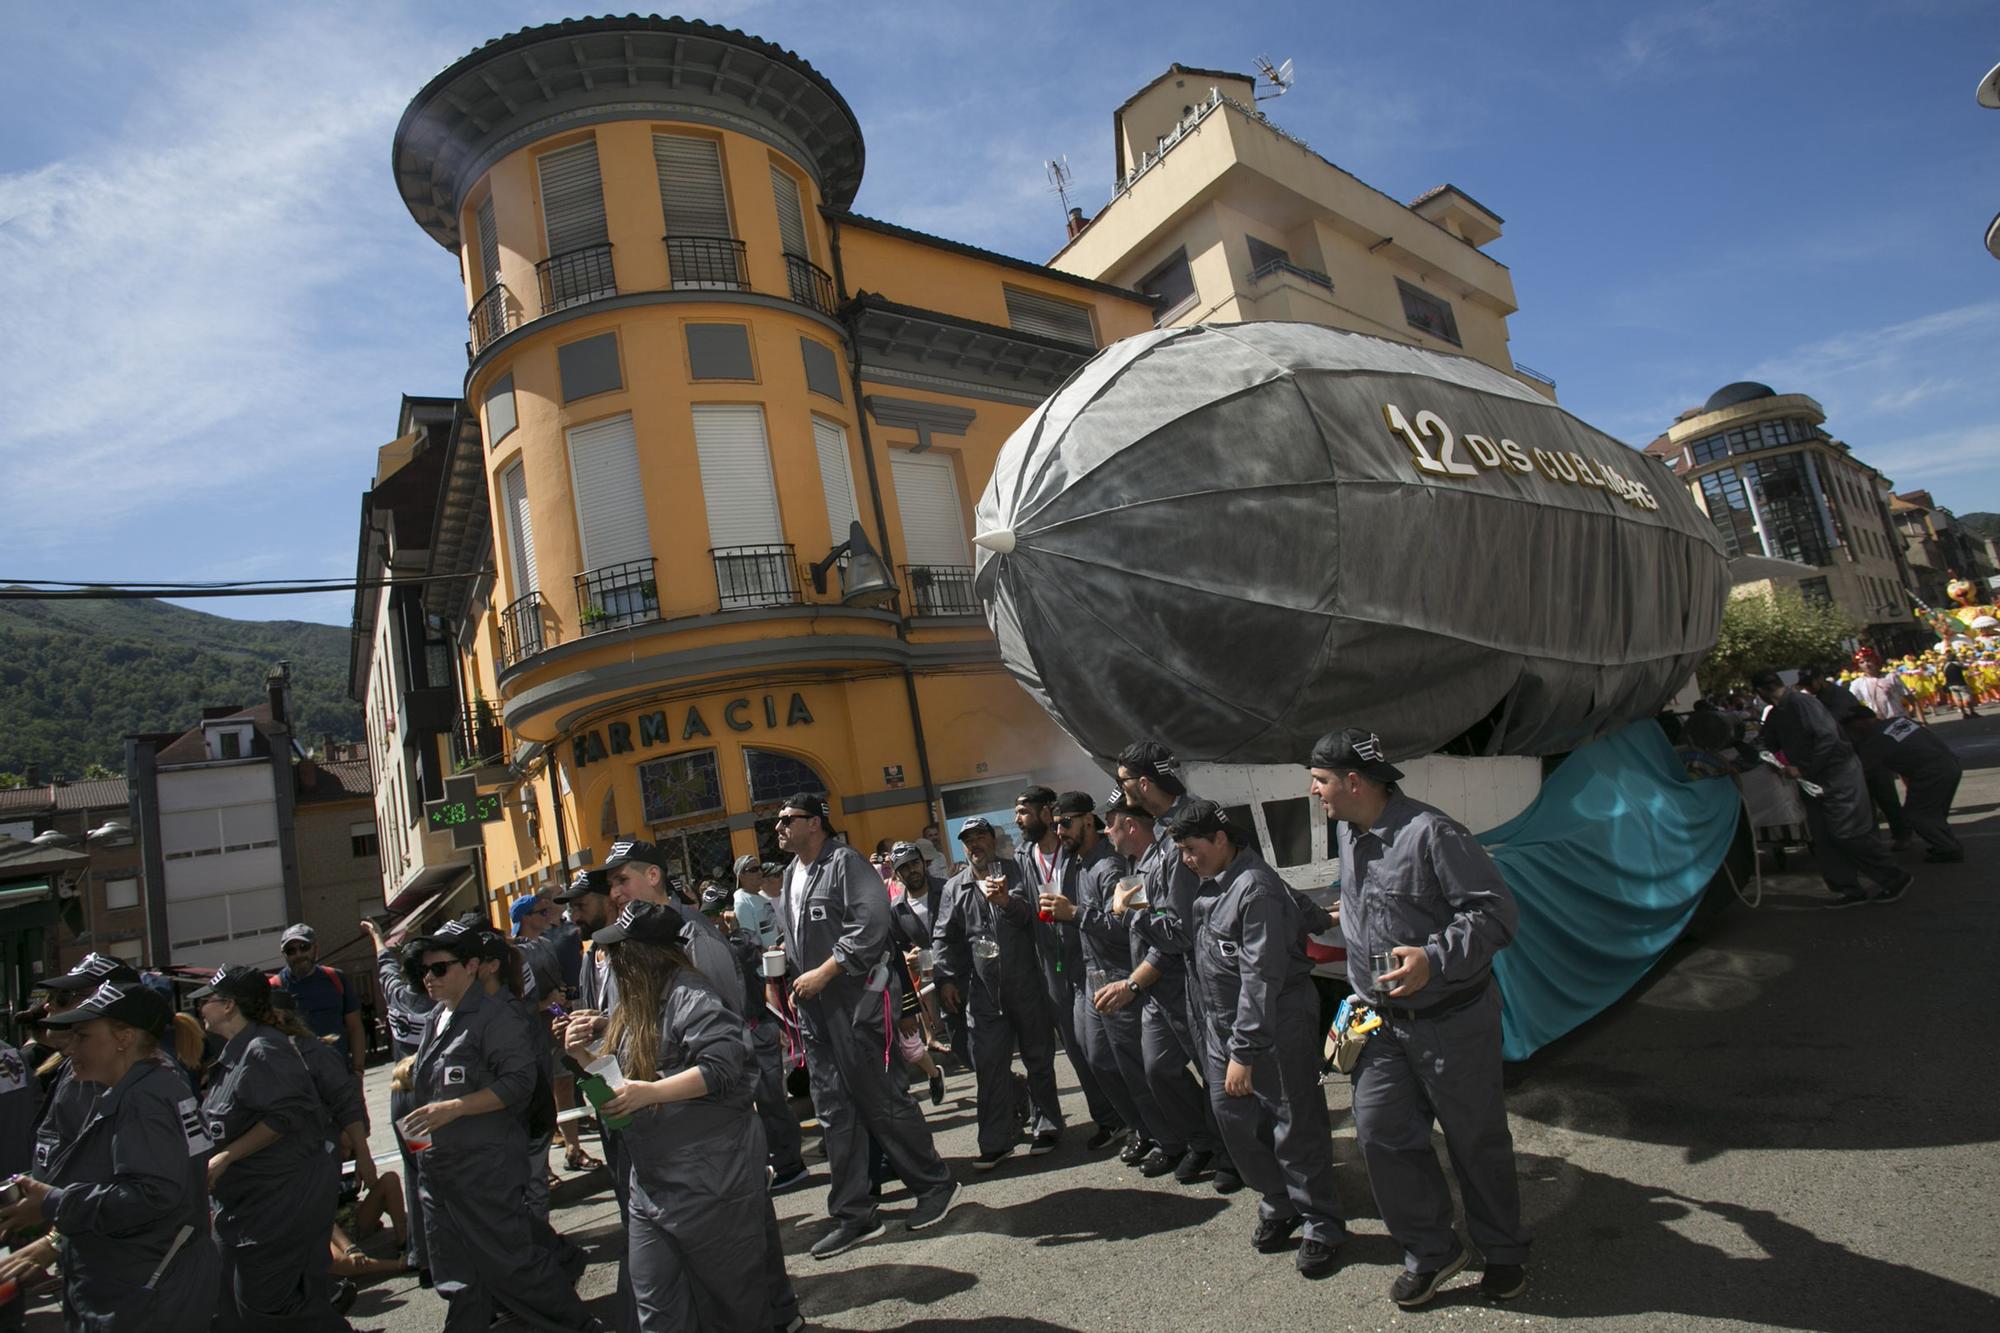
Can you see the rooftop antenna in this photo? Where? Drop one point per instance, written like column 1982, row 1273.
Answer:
column 1060, row 180
column 1277, row 78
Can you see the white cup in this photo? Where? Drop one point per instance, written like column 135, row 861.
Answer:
column 926, row 960
column 774, row 962
column 606, row 1068
column 985, row 947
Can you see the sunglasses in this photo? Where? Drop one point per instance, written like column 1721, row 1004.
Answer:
column 291, row 949
column 439, row 969
column 786, row 819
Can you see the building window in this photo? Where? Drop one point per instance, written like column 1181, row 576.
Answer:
column 1428, row 313
column 120, row 892
column 680, row 787
column 231, row 745
column 774, row 776
column 500, row 417
column 364, row 839
column 589, row 366
column 1171, row 286
column 1816, row 590
column 1265, row 256
column 719, row 352
column 822, row 369
column 1046, row 317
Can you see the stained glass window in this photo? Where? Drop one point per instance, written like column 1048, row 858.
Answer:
column 775, row 776
column 676, row 788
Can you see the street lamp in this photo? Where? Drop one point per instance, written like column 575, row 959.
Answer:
column 52, row 838
column 864, row 580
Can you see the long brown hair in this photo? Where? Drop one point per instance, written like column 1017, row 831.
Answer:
column 645, row 973
column 188, row 1045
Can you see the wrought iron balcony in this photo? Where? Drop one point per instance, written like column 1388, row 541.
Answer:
column 614, row 596
column 477, row 738
column 1533, row 374
column 576, row 276
column 811, row 285
column 706, row 263
column 747, row 576
column 1311, row 275
column 941, row 590
column 493, row 315
column 521, row 633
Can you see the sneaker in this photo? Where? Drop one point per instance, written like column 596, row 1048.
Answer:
column 1105, row 1136
column 1895, row 891
column 986, row 1161
column 790, row 1179
column 1226, row 1179
column 1841, row 899
column 931, row 1209
column 1136, row 1149
column 344, row 1292
column 1503, row 1282
column 1411, row 1290
column 1933, row 854
column 1316, row 1258
column 1158, row 1162
column 1272, row 1233
column 1902, row 843
column 1044, row 1142
column 937, row 1087
column 845, row 1237
column 1191, row 1166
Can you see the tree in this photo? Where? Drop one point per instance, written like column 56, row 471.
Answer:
column 1767, row 629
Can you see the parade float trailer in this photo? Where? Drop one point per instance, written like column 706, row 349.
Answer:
column 1233, row 538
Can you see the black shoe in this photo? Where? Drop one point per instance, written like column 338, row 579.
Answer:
column 1902, row 842
column 797, row 1322
column 1044, row 1142
column 937, row 1087
column 1895, row 891
column 1273, row 1233
column 986, row 1161
column 783, row 1182
column 931, row 1209
column 1841, row 899
column 1414, row 1289
column 1933, row 854
column 1503, row 1282
column 1226, row 1180
column 1158, row 1162
column 1105, row 1136
column 1316, row 1258
column 845, row 1237
column 424, row 1279
column 1192, row 1166
column 344, row 1292
column 1136, row 1149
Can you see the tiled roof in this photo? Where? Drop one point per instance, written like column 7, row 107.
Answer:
column 1437, row 190
column 103, row 794
column 338, row 780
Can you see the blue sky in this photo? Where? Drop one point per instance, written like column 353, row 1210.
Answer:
column 213, row 297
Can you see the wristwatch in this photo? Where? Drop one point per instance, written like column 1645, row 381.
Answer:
column 1134, row 987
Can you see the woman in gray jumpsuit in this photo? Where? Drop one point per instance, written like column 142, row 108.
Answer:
column 698, row 1201
column 475, row 1068
column 274, row 1175
column 127, row 1192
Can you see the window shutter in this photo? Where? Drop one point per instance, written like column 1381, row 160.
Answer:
column 520, row 530
column 572, row 198
column 610, row 502
column 927, row 495
column 1050, row 318
column 736, row 476
column 791, row 214
column 836, row 474
column 692, row 197
column 489, row 246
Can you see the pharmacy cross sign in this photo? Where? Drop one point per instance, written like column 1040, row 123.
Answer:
column 462, row 811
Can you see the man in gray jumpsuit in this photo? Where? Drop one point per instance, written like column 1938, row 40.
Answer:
column 986, row 963
column 1927, row 767
column 834, row 912
column 1415, row 885
column 1261, row 1036
column 1841, row 817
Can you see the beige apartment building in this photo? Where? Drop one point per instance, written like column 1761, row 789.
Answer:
column 1778, row 487
column 1220, row 216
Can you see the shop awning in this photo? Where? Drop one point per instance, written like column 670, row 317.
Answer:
column 20, row 895
column 440, row 899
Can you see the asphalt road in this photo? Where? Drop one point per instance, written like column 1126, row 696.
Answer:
column 1790, row 1124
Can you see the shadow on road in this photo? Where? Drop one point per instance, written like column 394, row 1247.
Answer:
column 1067, row 1217
column 824, row 1292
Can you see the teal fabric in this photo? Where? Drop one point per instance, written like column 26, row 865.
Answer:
column 1607, row 866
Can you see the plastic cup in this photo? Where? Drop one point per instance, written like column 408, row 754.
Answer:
column 1380, row 964
column 606, row 1068
column 774, row 963
column 415, row 1142
column 926, row 959
column 1133, row 882
column 985, row 947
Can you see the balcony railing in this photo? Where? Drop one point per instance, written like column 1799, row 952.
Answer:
column 493, row 315
column 521, row 635
column 1533, row 374
column 576, row 276
column 811, row 285
column 477, row 738
column 614, row 596
column 941, row 590
column 706, row 263
column 1311, row 275
column 747, row 576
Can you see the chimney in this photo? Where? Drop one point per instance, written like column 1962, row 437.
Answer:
column 278, row 686
column 32, row 777
column 1077, row 222
column 326, row 745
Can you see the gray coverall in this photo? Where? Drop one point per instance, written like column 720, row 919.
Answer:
column 838, row 907
column 699, row 1202
column 1842, row 818
column 913, row 925
column 1059, row 949
column 1261, row 1010
column 541, row 1102
column 474, row 1176
column 1114, row 1044
column 782, row 1141
column 1166, row 1027
column 405, row 1008
column 1841, row 705
column 273, row 1209
column 1005, row 1004
column 1928, row 768
column 125, row 1186
column 1418, row 878
column 20, row 1103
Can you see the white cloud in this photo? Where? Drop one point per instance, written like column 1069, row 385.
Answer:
column 1662, row 36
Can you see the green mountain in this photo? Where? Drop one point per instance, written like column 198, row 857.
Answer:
column 1984, row 524
column 76, row 677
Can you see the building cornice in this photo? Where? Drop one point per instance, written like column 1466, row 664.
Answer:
column 1757, row 409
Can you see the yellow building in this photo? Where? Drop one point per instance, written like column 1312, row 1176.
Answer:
column 695, row 372
column 1222, row 216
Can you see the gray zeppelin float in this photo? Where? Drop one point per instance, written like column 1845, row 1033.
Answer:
column 1230, row 538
